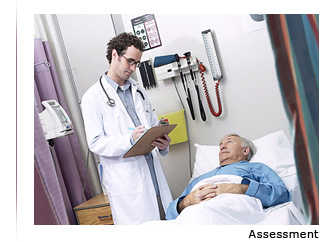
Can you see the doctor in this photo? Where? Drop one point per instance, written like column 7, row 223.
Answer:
column 136, row 186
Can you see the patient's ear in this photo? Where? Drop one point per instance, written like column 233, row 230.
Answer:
column 246, row 151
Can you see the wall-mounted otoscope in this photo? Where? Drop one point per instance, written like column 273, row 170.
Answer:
column 185, row 86
column 193, row 77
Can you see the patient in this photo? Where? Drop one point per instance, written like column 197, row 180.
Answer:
column 258, row 180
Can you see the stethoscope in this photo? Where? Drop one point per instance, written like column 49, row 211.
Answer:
column 110, row 101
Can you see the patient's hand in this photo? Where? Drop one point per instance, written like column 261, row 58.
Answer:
column 209, row 191
column 204, row 192
column 216, row 189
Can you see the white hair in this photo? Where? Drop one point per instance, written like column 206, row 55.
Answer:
column 245, row 143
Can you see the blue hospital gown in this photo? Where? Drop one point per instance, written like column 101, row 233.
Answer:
column 263, row 182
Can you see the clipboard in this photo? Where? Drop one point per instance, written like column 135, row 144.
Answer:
column 143, row 146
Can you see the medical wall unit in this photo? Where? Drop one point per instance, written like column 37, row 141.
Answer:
column 54, row 120
column 173, row 66
column 168, row 67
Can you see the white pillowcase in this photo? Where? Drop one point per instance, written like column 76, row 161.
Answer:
column 273, row 149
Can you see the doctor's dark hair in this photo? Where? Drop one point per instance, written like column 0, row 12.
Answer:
column 245, row 143
column 121, row 42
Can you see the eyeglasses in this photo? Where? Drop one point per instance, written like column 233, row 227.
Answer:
column 132, row 62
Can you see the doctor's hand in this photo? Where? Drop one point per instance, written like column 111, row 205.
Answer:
column 162, row 143
column 138, row 131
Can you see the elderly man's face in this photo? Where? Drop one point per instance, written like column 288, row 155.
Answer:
column 231, row 150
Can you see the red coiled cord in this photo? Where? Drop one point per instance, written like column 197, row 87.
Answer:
column 202, row 70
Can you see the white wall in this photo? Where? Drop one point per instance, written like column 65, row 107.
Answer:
column 85, row 37
column 251, row 100
column 252, row 104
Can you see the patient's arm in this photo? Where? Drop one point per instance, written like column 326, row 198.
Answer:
column 208, row 191
column 231, row 188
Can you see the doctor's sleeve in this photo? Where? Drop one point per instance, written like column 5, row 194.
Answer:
column 164, row 152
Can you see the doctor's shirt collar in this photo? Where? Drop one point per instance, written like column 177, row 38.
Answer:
column 116, row 86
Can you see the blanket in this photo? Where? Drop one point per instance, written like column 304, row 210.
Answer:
column 234, row 209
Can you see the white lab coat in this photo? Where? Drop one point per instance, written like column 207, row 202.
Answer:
column 128, row 181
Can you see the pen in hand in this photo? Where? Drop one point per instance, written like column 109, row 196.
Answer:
column 138, row 131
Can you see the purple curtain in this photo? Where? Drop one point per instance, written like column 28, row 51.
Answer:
column 48, row 202
column 43, row 212
column 66, row 153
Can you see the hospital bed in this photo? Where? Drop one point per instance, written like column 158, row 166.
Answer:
column 273, row 150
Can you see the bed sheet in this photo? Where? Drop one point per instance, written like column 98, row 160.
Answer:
column 234, row 209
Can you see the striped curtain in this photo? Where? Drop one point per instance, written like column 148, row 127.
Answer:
column 66, row 154
column 295, row 42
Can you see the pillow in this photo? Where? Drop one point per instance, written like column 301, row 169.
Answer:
column 207, row 158
column 273, row 149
